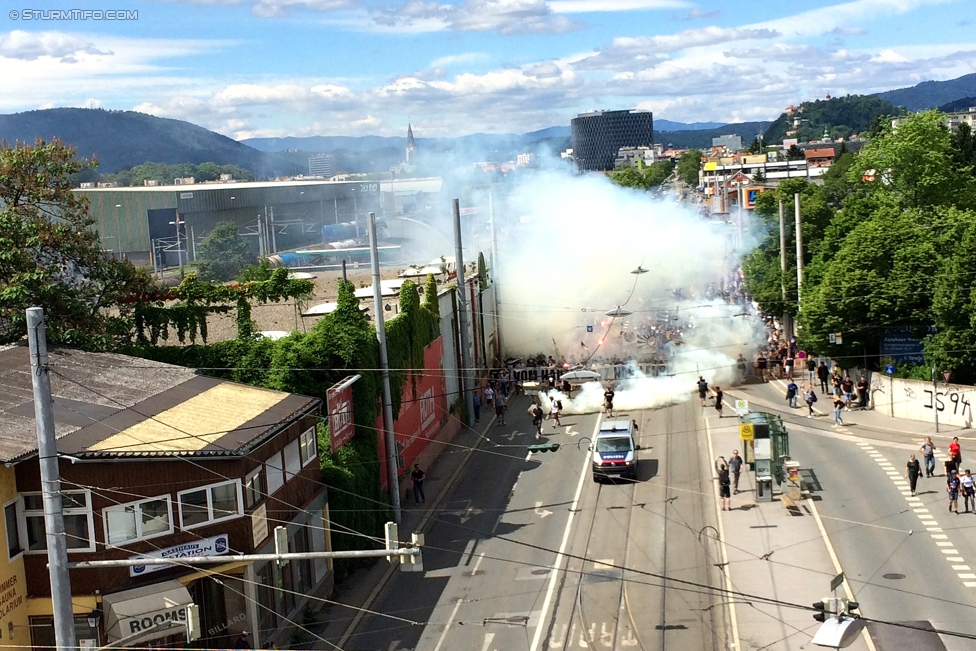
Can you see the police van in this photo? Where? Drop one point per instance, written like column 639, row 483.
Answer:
column 614, row 451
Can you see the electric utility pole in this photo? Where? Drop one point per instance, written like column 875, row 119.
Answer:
column 799, row 248
column 467, row 386
column 391, row 453
column 47, row 455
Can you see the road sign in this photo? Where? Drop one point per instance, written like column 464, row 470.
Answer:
column 837, row 581
column 742, row 407
column 589, row 328
column 747, row 432
column 801, row 354
column 889, row 369
column 838, row 337
column 832, row 338
column 947, row 375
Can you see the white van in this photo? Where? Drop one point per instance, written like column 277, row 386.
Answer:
column 614, row 451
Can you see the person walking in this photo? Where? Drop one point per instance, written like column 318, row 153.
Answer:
column 822, row 374
column 537, row 414
column 718, row 400
column 735, row 467
column 702, row 390
column 500, row 406
column 418, row 476
column 838, row 406
column 761, row 364
column 791, row 394
column 968, row 490
column 811, row 397
column 557, row 408
column 811, row 369
column 477, row 407
column 955, row 452
column 490, row 396
column 912, row 470
column 742, row 366
column 788, row 365
column 928, row 450
column 724, row 487
column 952, row 488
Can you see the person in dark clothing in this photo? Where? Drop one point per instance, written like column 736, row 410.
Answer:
column 244, row 641
column 862, row 392
column 811, row 369
column 811, row 397
column 537, row 415
column 608, row 401
column 718, row 400
column 702, row 390
column 823, row 374
column 912, row 472
column 735, row 467
column 418, row 476
column 724, row 487
column 477, row 407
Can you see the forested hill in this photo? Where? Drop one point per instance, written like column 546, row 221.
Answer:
column 930, row 94
column 124, row 139
column 840, row 116
column 702, row 138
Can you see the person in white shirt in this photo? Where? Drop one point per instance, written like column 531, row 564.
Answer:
column 489, row 396
column 968, row 493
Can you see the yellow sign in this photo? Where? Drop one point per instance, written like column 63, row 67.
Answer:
column 746, row 432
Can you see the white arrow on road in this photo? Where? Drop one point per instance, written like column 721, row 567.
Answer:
column 541, row 511
column 469, row 513
column 488, row 638
column 511, row 435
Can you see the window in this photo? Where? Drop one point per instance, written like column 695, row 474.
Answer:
column 310, row 452
column 255, row 487
column 210, row 504
column 77, row 522
column 293, row 460
column 137, row 520
column 276, row 473
column 12, row 513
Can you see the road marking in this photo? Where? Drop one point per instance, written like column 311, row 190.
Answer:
column 537, row 638
column 965, row 575
column 727, row 579
column 447, row 626
column 949, row 551
column 956, row 559
column 541, row 511
column 960, row 568
column 477, row 563
column 969, row 584
column 488, row 638
column 603, row 564
column 939, row 536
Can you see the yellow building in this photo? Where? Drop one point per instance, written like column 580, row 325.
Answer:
column 13, row 581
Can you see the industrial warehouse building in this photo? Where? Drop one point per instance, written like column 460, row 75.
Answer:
column 162, row 225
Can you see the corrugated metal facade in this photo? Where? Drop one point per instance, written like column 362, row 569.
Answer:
column 299, row 208
column 126, row 228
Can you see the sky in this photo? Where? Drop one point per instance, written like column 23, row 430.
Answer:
column 271, row 68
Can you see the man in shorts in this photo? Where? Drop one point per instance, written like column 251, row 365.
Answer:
column 608, row 401
column 702, row 390
column 725, row 487
column 500, row 408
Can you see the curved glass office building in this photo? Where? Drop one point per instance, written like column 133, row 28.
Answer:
column 598, row 135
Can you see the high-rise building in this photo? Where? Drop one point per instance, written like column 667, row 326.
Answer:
column 411, row 145
column 599, row 135
column 320, row 165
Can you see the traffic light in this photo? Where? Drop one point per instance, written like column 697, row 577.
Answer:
column 543, row 447
column 851, row 607
column 823, row 609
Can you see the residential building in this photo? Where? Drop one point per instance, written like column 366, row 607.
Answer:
column 952, row 120
column 598, row 136
column 320, row 165
column 628, row 156
column 159, row 461
column 819, row 157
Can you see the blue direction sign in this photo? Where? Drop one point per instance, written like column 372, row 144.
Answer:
column 890, row 369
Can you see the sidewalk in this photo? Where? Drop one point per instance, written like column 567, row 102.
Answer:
column 356, row 594
column 772, row 551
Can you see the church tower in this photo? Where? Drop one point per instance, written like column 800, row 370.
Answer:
column 411, row 145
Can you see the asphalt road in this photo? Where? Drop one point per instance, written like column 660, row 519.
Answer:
column 908, row 560
column 527, row 552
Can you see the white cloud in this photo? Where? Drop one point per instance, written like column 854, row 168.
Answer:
column 503, row 16
column 594, row 6
column 280, row 8
column 888, row 56
column 458, row 59
column 691, row 38
column 29, row 46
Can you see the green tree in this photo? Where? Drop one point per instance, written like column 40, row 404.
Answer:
column 50, row 253
column 629, row 177
column 914, row 163
column 689, row 165
column 794, row 153
column 223, row 253
column 755, row 147
column 207, row 172
column 964, row 147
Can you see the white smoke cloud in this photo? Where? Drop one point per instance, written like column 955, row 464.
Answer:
column 567, row 248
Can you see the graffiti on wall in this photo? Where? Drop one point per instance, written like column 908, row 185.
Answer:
column 959, row 402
